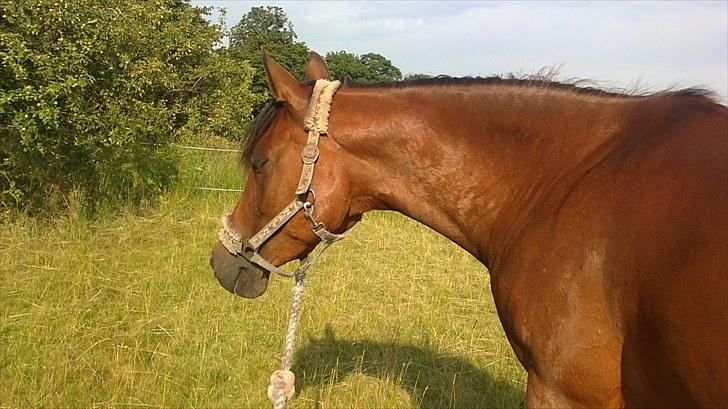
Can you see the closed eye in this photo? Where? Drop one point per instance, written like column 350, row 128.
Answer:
column 259, row 165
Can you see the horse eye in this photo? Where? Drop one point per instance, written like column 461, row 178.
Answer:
column 258, row 165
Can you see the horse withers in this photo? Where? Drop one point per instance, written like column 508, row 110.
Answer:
column 602, row 217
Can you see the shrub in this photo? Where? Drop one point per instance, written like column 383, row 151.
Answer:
column 92, row 93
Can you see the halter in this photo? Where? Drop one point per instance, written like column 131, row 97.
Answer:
column 316, row 123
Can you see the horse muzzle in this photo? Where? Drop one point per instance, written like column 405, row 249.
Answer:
column 238, row 275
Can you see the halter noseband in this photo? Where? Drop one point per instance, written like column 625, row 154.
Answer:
column 316, row 124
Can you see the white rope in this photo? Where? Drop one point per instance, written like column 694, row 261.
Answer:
column 282, row 382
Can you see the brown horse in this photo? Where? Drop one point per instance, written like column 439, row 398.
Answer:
column 602, row 217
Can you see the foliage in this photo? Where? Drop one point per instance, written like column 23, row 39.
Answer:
column 409, row 77
column 220, row 102
column 380, row 68
column 92, row 93
column 344, row 65
column 268, row 28
column 368, row 67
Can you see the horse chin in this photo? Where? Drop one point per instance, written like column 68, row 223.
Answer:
column 251, row 283
column 237, row 274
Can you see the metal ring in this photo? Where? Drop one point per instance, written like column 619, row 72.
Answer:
column 312, row 194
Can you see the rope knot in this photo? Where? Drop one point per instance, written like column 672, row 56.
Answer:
column 282, row 387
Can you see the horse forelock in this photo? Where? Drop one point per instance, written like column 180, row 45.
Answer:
column 257, row 129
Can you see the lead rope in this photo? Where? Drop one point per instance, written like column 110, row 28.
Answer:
column 282, row 381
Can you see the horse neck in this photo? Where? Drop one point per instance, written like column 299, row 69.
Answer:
column 473, row 163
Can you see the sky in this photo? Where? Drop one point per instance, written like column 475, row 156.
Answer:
column 645, row 45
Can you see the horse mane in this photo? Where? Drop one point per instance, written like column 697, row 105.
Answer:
column 542, row 80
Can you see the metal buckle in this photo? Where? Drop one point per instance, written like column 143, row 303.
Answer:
column 310, row 154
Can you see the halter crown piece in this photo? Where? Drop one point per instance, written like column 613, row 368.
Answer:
column 316, row 123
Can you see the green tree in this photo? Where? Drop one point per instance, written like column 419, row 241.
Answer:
column 380, row 68
column 269, row 28
column 342, row 64
column 417, row 77
column 368, row 67
column 92, row 93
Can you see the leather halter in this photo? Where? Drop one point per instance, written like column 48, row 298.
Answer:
column 316, row 124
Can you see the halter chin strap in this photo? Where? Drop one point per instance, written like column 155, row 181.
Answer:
column 316, row 123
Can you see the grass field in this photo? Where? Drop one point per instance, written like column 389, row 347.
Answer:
column 124, row 311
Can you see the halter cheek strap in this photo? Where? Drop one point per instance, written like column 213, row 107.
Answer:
column 316, row 124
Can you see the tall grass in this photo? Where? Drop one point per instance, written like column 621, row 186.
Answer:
column 124, row 311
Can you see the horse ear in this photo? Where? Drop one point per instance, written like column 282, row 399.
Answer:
column 284, row 86
column 316, row 68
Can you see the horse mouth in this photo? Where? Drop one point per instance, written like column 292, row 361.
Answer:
column 237, row 275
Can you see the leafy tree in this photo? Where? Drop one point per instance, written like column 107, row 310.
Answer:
column 368, row 67
column 342, row 64
column 93, row 92
column 417, row 77
column 380, row 68
column 269, row 28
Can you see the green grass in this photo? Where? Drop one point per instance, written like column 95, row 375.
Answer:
column 124, row 311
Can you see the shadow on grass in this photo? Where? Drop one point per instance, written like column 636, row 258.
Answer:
column 432, row 380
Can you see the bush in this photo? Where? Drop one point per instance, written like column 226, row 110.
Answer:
column 221, row 103
column 92, row 93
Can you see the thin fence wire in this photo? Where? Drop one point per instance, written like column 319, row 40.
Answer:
column 196, row 148
column 217, row 189
column 204, row 148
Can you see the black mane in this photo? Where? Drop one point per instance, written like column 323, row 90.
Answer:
column 579, row 86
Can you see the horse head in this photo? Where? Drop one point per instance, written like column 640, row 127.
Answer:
column 274, row 158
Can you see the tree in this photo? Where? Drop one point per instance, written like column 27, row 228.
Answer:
column 342, row 64
column 92, row 93
column 366, row 68
column 380, row 68
column 269, row 28
column 410, row 77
